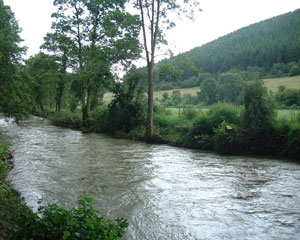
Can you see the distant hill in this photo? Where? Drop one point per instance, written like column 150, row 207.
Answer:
column 275, row 40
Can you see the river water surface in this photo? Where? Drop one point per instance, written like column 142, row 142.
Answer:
column 164, row 192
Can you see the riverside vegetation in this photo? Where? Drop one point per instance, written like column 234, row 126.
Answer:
column 17, row 221
column 68, row 86
column 252, row 128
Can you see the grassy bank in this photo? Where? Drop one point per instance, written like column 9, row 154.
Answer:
column 11, row 203
column 220, row 128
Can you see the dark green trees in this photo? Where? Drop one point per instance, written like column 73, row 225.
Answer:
column 209, row 90
column 43, row 74
column 91, row 37
column 259, row 112
column 13, row 94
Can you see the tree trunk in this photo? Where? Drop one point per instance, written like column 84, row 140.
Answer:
column 89, row 101
column 84, row 106
column 59, row 97
column 149, row 127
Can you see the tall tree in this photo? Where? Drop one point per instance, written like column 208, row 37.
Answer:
column 154, row 15
column 58, row 43
column 43, row 72
column 13, row 95
column 99, row 34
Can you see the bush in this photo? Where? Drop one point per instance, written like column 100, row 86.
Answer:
column 176, row 97
column 165, row 95
column 295, row 70
column 204, row 124
column 53, row 222
column 288, row 97
column 166, row 86
column 67, row 119
column 291, row 147
column 99, row 119
column 189, row 113
column 259, row 115
column 189, row 83
column 225, row 112
column 225, row 137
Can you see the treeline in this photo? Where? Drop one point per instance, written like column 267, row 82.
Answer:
column 269, row 48
column 250, row 128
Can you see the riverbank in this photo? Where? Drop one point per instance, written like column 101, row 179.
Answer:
column 11, row 203
column 220, row 129
column 18, row 221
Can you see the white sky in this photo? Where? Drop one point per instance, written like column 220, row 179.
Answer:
column 218, row 18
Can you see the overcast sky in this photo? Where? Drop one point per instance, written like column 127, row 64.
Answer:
column 218, row 17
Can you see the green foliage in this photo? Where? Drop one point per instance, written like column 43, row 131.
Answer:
column 209, row 90
column 166, row 86
column 127, row 109
column 202, row 77
column 225, row 112
column 189, row 83
column 167, row 73
column 99, row 121
column 262, row 44
column 259, row 113
column 165, row 95
column 230, row 86
column 189, row 113
column 43, row 73
column 267, row 47
column 288, row 97
column 291, row 147
column 13, row 88
column 96, row 46
column 294, row 71
column 176, row 97
column 204, row 124
column 225, row 138
column 81, row 222
column 67, row 119
column 258, row 120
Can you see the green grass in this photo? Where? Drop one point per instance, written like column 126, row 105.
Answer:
column 288, row 114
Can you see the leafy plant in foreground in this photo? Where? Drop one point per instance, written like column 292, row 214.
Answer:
column 81, row 222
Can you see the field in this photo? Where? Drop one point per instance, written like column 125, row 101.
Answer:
column 271, row 83
column 289, row 82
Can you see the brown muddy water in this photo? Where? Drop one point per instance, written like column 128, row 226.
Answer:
column 164, row 192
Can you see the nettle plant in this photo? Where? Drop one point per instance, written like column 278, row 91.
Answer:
column 81, row 222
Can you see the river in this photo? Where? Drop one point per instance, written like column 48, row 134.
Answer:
column 165, row 192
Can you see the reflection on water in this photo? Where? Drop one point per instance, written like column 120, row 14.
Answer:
column 164, row 192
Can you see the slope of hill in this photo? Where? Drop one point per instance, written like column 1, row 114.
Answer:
column 262, row 44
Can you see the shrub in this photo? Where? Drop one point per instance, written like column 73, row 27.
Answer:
column 176, row 97
column 99, row 119
column 67, row 119
column 165, row 95
column 259, row 115
column 295, row 70
column 225, row 112
column 291, row 147
column 225, row 137
column 166, row 86
column 53, row 222
column 189, row 83
column 189, row 113
column 204, row 124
